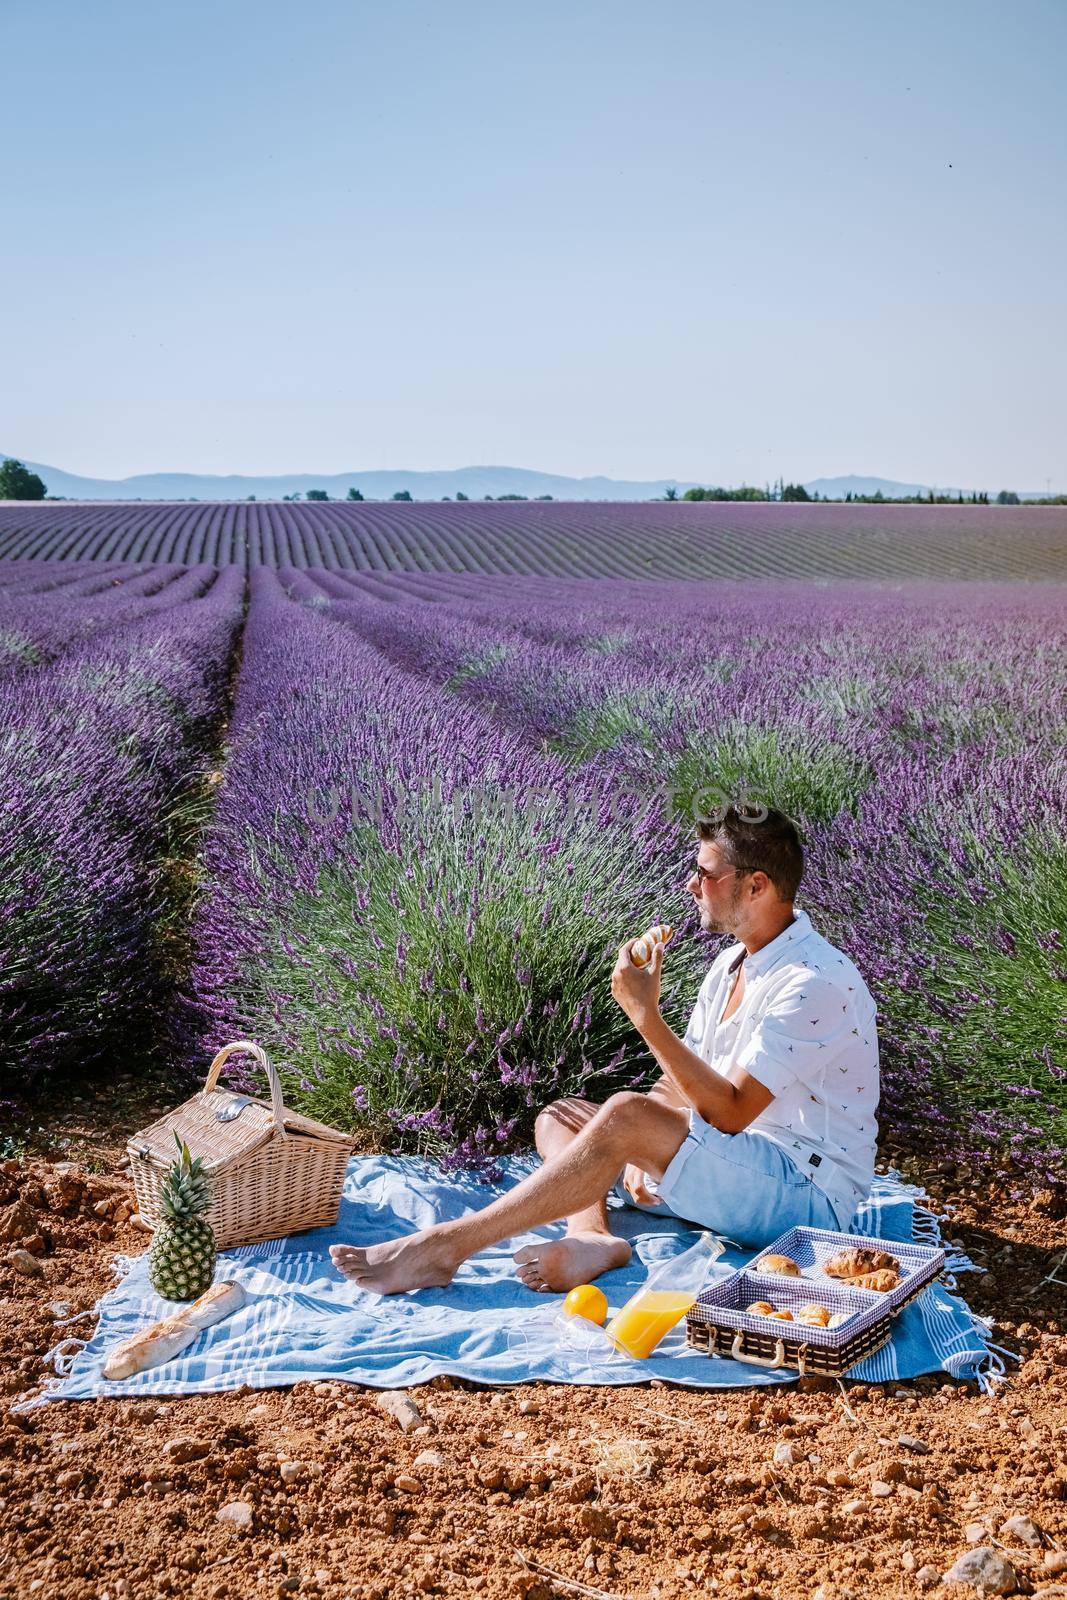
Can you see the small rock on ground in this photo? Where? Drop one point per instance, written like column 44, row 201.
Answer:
column 236, row 1514
column 1022, row 1530
column 27, row 1265
column 400, row 1406
column 986, row 1570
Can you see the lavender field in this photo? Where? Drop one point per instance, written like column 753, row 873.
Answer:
column 421, row 810
column 653, row 539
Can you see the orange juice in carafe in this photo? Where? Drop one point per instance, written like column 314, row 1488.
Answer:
column 663, row 1299
column 644, row 1319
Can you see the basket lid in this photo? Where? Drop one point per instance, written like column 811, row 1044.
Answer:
column 196, row 1123
column 216, row 1124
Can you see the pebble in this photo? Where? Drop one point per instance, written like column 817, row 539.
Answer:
column 880, row 1490
column 975, row 1532
column 290, row 1471
column 400, row 1406
column 28, row 1265
column 60, row 1309
column 65, row 1168
column 908, row 1441
column 986, row 1570
column 785, row 1454
column 528, row 1408
column 838, row 1478
column 928, row 1577
column 1022, row 1530
column 322, row 1577
column 237, row 1514
column 1055, row 1562
column 430, row 1458
column 181, row 1450
column 909, row 1561
column 257, row 1413
column 408, row 1482
column 852, row 1508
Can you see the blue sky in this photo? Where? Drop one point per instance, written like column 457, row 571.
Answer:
column 723, row 242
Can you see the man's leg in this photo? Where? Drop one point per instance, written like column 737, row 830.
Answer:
column 590, row 1247
column 628, row 1127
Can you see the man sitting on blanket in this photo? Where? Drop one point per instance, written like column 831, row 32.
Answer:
column 763, row 1117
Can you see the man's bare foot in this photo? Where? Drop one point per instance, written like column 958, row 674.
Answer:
column 418, row 1261
column 564, row 1263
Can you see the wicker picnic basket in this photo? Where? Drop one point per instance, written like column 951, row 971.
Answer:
column 272, row 1171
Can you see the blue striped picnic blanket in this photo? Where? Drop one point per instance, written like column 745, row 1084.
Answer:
column 303, row 1321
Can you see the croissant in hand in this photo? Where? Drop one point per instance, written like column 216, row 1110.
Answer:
column 641, row 952
column 858, row 1261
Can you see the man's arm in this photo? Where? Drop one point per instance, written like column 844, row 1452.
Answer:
column 728, row 1105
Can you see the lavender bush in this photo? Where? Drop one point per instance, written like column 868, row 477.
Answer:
column 94, row 751
column 424, row 961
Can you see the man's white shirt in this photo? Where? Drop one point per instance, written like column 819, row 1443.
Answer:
column 806, row 1028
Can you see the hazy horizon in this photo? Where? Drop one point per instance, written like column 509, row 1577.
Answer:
column 715, row 244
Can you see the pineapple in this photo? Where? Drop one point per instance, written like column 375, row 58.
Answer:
column 181, row 1258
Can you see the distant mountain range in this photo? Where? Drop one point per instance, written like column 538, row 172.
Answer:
column 474, row 482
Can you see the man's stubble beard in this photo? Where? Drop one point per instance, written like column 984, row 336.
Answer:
column 728, row 923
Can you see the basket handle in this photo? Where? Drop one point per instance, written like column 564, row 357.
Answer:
column 277, row 1104
column 779, row 1356
column 758, row 1361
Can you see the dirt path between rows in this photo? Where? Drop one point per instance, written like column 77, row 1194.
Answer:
column 539, row 1490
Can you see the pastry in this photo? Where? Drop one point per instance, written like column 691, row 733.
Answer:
column 782, row 1264
column 760, row 1308
column 814, row 1315
column 857, row 1261
column 641, row 950
column 781, row 1316
column 838, row 1318
column 881, row 1281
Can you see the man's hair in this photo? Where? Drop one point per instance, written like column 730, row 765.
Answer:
column 772, row 846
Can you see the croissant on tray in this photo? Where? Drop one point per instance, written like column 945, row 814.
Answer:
column 858, row 1262
column 882, row 1281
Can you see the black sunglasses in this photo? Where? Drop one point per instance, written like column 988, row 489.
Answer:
column 743, row 811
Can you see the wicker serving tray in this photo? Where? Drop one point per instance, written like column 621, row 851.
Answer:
column 719, row 1325
column 920, row 1264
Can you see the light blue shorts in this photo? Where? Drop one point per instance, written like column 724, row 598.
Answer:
column 740, row 1185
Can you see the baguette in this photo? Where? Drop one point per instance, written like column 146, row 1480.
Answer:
column 168, row 1338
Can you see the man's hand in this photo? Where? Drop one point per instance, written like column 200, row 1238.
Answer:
column 636, row 989
column 634, row 1182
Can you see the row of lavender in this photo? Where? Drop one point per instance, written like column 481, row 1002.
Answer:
column 652, row 539
column 448, row 800
column 113, row 682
